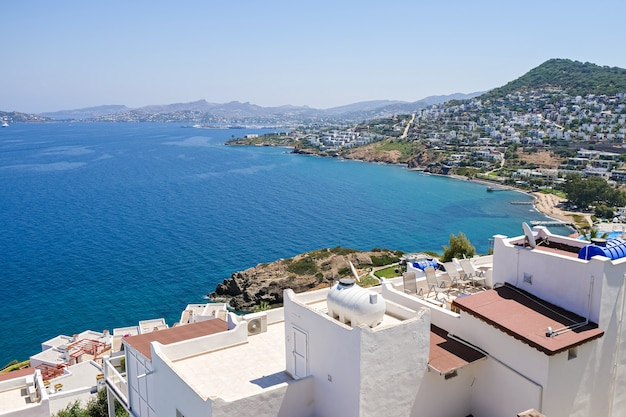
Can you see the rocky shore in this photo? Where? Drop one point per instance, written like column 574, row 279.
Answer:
column 265, row 283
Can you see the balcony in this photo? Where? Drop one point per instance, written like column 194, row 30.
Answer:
column 115, row 377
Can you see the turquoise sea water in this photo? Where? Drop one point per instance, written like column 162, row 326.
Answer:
column 103, row 225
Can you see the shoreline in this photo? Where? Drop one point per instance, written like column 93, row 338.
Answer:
column 545, row 203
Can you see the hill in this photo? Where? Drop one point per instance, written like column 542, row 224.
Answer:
column 17, row 117
column 574, row 77
column 85, row 113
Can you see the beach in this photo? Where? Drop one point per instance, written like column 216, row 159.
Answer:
column 548, row 204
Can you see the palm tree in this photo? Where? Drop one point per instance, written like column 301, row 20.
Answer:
column 594, row 233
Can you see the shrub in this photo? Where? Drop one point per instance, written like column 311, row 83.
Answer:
column 338, row 250
column 384, row 260
column 459, row 248
column 96, row 407
column 304, row 266
column 345, row 271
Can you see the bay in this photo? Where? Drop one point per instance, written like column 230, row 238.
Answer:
column 103, row 225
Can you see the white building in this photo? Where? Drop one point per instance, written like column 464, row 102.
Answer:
column 23, row 394
column 70, row 368
column 546, row 336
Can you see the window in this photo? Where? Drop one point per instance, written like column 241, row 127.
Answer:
column 528, row 278
column 572, row 353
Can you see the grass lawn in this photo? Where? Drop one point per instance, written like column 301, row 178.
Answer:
column 389, row 272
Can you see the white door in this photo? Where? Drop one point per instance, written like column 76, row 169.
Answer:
column 300, row 353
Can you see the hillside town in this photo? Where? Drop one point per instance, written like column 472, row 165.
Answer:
column 485, row 138
column 531, row 329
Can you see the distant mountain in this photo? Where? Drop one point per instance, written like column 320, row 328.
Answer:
column 362, row 106
column 575, row 77
column 390, row 108
column 430, row 100
column 204, row 112
column 86, row 113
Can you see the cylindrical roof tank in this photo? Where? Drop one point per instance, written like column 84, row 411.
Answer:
column 349, row 303
column 612, row 249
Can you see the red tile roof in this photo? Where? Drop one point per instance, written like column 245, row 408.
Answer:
column 448, row 354
column 527, row 318
column 141, row 342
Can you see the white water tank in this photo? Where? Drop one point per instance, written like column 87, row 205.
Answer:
column 351, row 304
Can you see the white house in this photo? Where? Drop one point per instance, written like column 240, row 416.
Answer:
column 546, row 334
column 23, row 394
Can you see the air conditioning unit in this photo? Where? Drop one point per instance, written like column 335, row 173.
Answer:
column 33, row 394
column 257, row 323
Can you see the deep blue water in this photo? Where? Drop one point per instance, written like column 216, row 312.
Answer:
column 103, row 225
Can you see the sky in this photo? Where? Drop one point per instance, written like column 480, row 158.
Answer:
column 61, row 55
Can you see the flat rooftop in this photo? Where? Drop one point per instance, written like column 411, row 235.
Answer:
column 238, row 371
column 78, row 376
column 15, row 399
column 527, row 318
column 14, row 394
column 54, row 354
column 447, row 354
column 167, row 336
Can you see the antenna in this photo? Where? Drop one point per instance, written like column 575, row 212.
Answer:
column 530, row 238
column 353, row 269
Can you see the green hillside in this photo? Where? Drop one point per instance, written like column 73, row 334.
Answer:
column 575, row 77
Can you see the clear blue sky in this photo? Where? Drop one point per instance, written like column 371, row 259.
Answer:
column 72, row 54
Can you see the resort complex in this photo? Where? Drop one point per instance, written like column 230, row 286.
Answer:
column 534, row 329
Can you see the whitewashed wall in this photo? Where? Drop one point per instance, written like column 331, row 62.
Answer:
column 577, row 386
column 440, row 397
column 172, row 393
column 297, row 399
column 559, row 279
column 333, row 358
column 595, row 382
column 498, row 391
column 141, row 393
column 361, row 371
column 394, row 361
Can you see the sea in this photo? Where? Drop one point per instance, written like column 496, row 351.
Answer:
column 106, row 224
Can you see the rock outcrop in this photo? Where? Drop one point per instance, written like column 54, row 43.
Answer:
column 247, row 289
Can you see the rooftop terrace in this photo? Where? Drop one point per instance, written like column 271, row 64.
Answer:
column 238, row 371
column 542, row 325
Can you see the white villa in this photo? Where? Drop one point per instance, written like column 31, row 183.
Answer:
column 543, row 336
column 546, row 338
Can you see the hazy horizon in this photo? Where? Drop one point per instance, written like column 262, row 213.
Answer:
column 74, row 55
column 281, row 105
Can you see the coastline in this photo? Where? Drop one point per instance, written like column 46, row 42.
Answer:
column 546, row 203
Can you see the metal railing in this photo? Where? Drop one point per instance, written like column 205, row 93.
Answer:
column 115, row 379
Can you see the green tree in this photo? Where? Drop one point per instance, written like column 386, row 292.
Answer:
column 460, row 247
column 604, row 212
column 96, row 407
column 73, row 410
column 592, row 191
